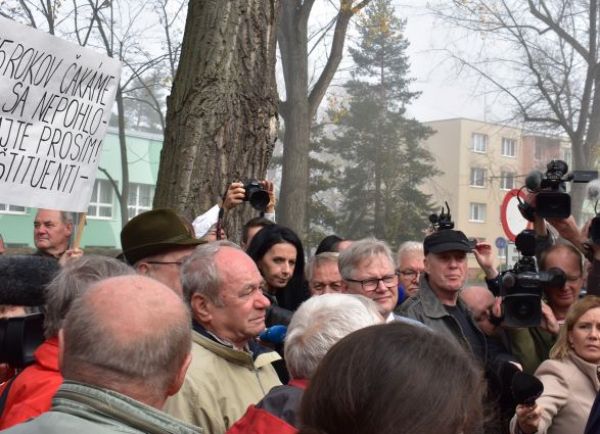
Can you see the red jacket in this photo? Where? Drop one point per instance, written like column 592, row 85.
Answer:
column 275, row 413
column 32, row 390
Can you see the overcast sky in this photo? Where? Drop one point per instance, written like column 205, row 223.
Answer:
column 444, row 95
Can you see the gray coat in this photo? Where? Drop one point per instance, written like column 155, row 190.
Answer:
column 78, row 408
column 426, row 308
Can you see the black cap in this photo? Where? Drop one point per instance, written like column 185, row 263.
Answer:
column 447, row 240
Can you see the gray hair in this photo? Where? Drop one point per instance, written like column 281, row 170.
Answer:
column 359, row 251
column 319, row 323
column 409, row 247
column 67, row 217
column 151, row 358
column 199, row 273
column 318, row 260
column 72, row 281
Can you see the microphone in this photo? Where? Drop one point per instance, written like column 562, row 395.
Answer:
column 526, row 388
column 533, row 181
column 23, row 279
column 593, row 190
column 274, row 335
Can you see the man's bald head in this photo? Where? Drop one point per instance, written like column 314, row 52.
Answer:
column 477, row 296
column 480, row 301
column 111, row 339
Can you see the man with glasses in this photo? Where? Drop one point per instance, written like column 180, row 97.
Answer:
column 323, row 274
column 156, row 242
column 367, row 267
column 437, row 304
column 410, row 267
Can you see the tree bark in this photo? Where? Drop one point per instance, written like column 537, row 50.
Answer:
column 221, row 122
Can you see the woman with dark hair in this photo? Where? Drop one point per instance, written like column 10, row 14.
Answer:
column 279, row 255
column 394, row 378
column 332, row 243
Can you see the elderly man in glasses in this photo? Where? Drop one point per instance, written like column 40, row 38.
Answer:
column 410, row 267
column 367, row 267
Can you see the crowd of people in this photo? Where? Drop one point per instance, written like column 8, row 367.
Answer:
column 187, row 332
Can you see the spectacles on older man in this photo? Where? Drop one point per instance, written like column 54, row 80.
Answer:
column 370, row 285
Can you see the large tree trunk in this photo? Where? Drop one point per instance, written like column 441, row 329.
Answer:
column 222, row 111
column 302, row 103
column 293, row 46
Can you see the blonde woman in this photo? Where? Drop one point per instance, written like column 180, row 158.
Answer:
column 570, row 376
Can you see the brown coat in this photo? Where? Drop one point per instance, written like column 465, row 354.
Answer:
column 570, row 387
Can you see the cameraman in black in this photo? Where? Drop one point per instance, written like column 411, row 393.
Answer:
column 532, row 345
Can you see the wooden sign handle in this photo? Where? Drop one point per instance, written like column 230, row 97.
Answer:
column 79, row 233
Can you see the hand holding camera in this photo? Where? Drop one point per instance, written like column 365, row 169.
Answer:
column 259, row 193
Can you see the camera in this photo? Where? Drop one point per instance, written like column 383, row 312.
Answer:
column 256, row 195
column 522, row 287
column 552, row 201
column 19, row 338
column 443, row 220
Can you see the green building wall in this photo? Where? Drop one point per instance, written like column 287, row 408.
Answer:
column 143, row 153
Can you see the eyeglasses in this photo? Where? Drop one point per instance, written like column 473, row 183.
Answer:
column 370, row 285
column 178, row 263
column 335, row 286
column 410, row 273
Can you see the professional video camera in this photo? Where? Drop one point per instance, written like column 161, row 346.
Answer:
column 522, row 287
column 552, row 201
column 256, row 195
column 23, row 279
column 443, row 220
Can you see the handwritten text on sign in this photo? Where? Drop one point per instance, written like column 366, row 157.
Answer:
column 55, row 103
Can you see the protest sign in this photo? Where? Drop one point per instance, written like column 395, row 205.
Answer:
column 55, row 103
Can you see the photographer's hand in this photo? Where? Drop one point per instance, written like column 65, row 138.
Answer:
column 484, row 254
column 549, row 322
column 268, row 185
column 234, row 196
column 567, row 228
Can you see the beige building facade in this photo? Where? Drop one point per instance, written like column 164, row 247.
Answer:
column 480, row 162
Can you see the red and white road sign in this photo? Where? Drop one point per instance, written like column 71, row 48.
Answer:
column 510, row 216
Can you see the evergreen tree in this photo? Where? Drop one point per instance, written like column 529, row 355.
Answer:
column 385, row 162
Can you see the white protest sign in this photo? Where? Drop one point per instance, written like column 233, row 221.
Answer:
column 55, row 104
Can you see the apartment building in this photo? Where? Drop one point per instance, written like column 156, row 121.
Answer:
column 481, row 162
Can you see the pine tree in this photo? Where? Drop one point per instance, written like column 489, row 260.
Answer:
column 386, row 163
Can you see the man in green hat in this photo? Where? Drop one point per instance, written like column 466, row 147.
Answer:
column 156, row 242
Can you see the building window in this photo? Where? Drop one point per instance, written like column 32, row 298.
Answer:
column 101, row 203
column 509, row 147
column 477, row 177
column 480, row 142
column 477, row 212
column 12, row 209
column 140, row 198
column 507, row 180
